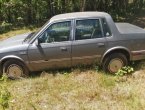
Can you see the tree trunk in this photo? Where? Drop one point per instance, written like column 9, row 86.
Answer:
column 29, row 12
column 83, row 5
column 1, row 12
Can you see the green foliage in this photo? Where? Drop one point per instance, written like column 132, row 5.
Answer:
column 66, row 73
column 20, row 21
column 124, row 71
column 4, row 97
column 4, row 27
column 4, row 93
column 4, row 78
column 26, row 12
column 96, row 67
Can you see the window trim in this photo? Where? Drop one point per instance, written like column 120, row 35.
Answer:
column 45, row 28
column 75, row 21
column 107, row 26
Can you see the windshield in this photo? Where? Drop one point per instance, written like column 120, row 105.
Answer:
column 33, row 34
column 29, row 37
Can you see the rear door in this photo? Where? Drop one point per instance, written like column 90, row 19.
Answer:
column 89, row 41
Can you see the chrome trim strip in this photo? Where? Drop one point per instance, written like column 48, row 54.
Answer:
column 85, row 57
column 64, row 59
column 52, row 60
column 139, row 51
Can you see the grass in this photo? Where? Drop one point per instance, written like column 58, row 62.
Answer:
column 16, row 32
column 77, row 89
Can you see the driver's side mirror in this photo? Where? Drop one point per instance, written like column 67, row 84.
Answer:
column 38, row 41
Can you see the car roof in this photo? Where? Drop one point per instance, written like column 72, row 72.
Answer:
column 75, row 15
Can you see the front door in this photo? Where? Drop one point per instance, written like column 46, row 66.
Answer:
column 54, row 50
column 89, row 43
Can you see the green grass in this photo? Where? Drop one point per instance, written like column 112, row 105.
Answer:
column 77, row 89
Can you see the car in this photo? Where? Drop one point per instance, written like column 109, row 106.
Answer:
column 71, row 39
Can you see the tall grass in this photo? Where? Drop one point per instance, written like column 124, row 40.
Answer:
column 77, row 89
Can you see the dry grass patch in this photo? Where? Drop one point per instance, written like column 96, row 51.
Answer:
column 77, row 90
column 16, row 32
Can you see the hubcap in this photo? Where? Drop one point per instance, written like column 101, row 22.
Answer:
column 14, row 71
column 115, row 65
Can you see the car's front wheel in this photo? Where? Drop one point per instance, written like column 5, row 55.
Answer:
column 114, row 62
column 15, row 69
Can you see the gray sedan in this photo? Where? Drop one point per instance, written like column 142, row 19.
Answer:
column 72, row 39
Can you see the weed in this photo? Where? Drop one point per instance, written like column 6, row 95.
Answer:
column 121, row 75
column 96, row 68
column 66, row 73
column 4, row 93
column 124, row 71
column 4, row 78
column 4, row 97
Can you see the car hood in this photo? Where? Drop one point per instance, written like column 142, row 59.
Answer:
column 13, row 41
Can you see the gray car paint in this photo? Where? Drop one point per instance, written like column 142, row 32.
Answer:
column 51, row 55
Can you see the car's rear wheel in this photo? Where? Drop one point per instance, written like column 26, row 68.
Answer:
column 112, row 63
column 15, row 69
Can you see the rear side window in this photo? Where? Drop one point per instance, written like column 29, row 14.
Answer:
column 88, row 29
column 106, row 28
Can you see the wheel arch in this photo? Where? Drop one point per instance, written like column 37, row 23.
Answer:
column 123, row 50
column 6, row 58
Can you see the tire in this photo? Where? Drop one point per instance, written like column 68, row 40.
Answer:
column 114, row 62
column 15, row 69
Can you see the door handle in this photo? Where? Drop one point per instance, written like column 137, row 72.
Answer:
column 101, row 44
column 63, row 48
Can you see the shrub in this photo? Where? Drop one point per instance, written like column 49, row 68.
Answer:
column 4, row 27
column 124, row 71
column 4, row 93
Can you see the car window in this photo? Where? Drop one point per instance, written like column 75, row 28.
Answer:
column 106, row 28
column 88, row 29
column 57, row 32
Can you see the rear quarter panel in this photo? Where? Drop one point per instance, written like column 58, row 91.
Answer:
column 134, row 43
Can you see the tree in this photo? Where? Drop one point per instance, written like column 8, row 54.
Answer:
column 36, row 11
